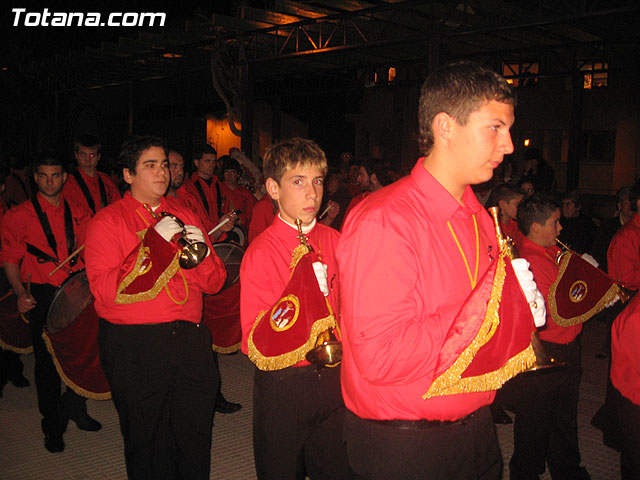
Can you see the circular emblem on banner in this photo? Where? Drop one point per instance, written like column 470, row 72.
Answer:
column 285, row 313
column 578, row 291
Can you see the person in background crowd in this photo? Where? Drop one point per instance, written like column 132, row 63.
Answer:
column 18, row 185
column 526, row 187
column 538, row 172
column 374, row 174
column 578, row 230
column 351, row 183
column 235, row 196
column 609, row 226
column 87, row 187
column 335, row 191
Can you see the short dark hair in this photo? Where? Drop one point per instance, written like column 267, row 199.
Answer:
column 133, row 147
column 49, row 158
column 634, row 196
column 203, row 149
column 623, row 193
column 287, row 154
column 87, row 141
column 458, row 89
column 504, row 191
column 537, row 208
column 380, row 168
column 574, row 196
column 229, row 163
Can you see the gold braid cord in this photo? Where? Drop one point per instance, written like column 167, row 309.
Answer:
column 76, row 388
column 609, row 296
column 451, row 381
column 163, row 279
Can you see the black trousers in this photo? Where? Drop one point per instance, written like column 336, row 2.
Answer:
column 298, row 416
column 545, row 427
column 626, row 415
column 461, row 450
column 48, row 384
column 163, row 383
column 11, row 367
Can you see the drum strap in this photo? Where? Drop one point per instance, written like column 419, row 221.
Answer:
column 203, row 197
column 85, row 190
column 219, row 198
column 48, row 233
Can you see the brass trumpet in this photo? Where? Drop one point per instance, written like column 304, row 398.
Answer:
column 191, row 253
column 328, row 349
column 543, row 360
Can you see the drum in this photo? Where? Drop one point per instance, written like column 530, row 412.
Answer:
column 15, row 332
column 222, row 310
column 71, row 335
column 231, row 255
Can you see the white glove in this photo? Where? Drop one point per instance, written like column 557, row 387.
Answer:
column 590, row 259
column 194, row 234
column 167, row 228
column 530, row 289
column 612, row 302
column 320, row 269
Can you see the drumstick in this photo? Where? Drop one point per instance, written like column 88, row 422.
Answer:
column 324, row 212
column 66, row 260
column 28, row 289
column 223, row 223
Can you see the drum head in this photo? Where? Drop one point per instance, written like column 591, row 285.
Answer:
column 69, row 301
column 231, row 255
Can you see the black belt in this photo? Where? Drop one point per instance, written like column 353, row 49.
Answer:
column 422, row 424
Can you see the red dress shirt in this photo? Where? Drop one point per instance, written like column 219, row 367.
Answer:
column 21, row 226
column 73, row 192
column 239, row 198
column 17, row 190
column 403, row 280
column 545, row 271
column 264, row 272
column 261, row 216
column 625, row 354
column 112, row 237
column 196, row 206
column 355, row 201
column 623, row 256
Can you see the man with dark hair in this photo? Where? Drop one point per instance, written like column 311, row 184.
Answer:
column 374, row 174
column 538, row 172
column 45, row 231
column 546, row 405
column 86, row 186
column 154, row 350
column 410, row 256
column 578, row 230
column 235, row 196
column 18, row 182
column 507, row 197
column 623, row 256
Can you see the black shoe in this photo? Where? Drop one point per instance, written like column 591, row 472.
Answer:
column 54, row 443
column 85, row 422
column 500, row 416
column 223, row 406
column 20, row 381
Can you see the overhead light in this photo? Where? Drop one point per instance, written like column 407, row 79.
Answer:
column 526, row 142
column 171, row 55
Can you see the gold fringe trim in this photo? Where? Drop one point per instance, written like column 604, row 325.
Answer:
column 609, row 296
column 163, row 279
column 297, row 253
column 290, row 358
column 226, row 350
column 451, row 381
column 21, row 351
column 76, row 388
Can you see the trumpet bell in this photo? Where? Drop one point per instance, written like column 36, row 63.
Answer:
column 544, row 361
column 326, row 354
column 192, row 253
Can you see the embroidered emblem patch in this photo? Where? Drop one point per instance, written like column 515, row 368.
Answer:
column 285, row 313
column 578, row 291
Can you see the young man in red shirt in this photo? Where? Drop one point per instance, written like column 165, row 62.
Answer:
column 623, row 256
column 86, row 187
column 45, row 231
column 410, row 255
column 154, row 350
column 546, row 405
column 297, row 410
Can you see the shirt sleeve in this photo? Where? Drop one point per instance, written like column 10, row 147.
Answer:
column 14, row 246
column 382, row 306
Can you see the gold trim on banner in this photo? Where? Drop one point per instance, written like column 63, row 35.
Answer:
column 451, row 381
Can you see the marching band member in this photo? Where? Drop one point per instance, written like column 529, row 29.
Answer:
column 410, row 257
column 297, row 408
column 546, row 406
column 155, row 354
column 234, row 195
column 44, row 231
column 86, row 187
column 623, row 256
